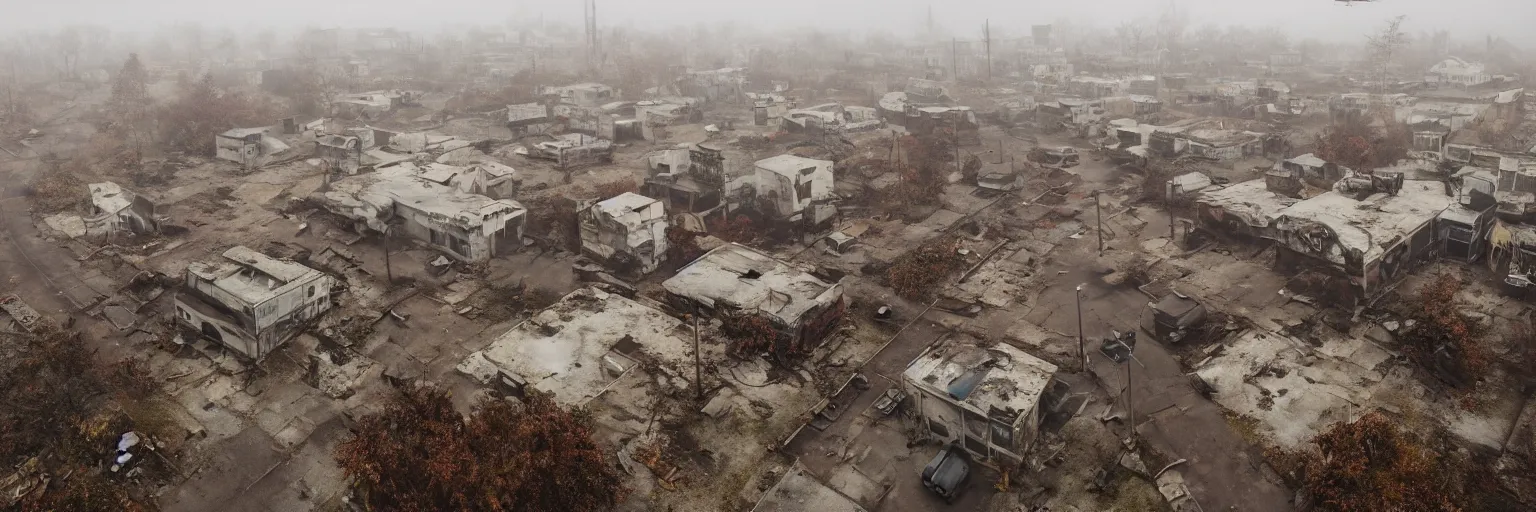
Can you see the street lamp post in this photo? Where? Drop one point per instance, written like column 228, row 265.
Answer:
column 1082, row 347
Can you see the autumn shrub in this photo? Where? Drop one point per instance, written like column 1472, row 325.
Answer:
column 749, row 333
column 55, row 409
column 553, row 217
column 421, row 455
column 1357, row 145
column 1369, row 465
column 918, row 273
column 682, row 245
column 739, row 229
column 1440, row 327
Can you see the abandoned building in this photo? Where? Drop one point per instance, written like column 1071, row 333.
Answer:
column 250, row 302
column 1069, row 113
column 832, row 117
column 983, row 398
column 1454, row 71
column 424, row 203
column 584, row 94
column 1306, row 170
column 1369, row 230
column 687, row 179
column 115, row 210
column 734, row 279
column 252, row 148
column 572, row 150
column 529, row 118
column 340, row 152
column 619, row 358
column 627, row 232
column 725, row 84
column 580, row 346
column 794, row 188
column 371, row 104
column 1209, row 138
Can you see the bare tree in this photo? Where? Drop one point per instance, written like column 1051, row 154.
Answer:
column 69, row 43
column 1386, row 46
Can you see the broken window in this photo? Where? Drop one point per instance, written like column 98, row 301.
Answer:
column 311, row 292
column 938, row 429
column 1002, row 436
column 458, row 245
column 803, row 190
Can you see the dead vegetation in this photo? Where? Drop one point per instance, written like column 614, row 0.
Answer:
column 59, row 425
column 1363, row 147
column 60, row 187
column 1444, row 339
column 501, row 302
column 750, row 334
column 1372, row 464
column 917, row 274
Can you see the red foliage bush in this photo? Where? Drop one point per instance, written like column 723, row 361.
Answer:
column 420, row 455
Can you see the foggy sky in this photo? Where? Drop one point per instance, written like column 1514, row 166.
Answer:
column 1323, row 19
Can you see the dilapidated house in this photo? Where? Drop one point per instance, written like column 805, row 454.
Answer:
column 340, row 152
column 572, row 150
column 627, row 232
column 1069, row 113
column 584, row 94
column 252, row 148
column 425, row 203
column 372, row 104
column 1308, row 169
column 1454, row 71
column 115, row 210
column 983, row 397
column 796, row 188
column 1369, row 234
column 734, row 279
column 1209, row 138
column 250, row 302
column 689, row 179
column 529, row 118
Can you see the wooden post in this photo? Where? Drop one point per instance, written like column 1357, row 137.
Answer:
column 698, row 373
column 389, row 272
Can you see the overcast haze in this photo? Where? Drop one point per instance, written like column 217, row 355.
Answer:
column 1325, row 19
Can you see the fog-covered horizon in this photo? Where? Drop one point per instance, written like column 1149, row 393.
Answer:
column 1325, row 20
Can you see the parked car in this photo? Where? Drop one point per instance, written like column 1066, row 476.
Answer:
column 947, row 473
column 1172, row 318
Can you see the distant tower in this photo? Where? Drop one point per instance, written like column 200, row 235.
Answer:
column 930, row 20
column 594, row 52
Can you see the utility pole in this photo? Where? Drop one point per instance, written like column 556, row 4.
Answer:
column 954, row 59
column 1168, row 203
column 1130, row 403
column 1098, row 219
column 986, row 31
column 698, row 373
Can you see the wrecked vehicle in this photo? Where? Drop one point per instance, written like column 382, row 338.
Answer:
column 947, row 473
column 1062, row 157
column 1172, row 318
